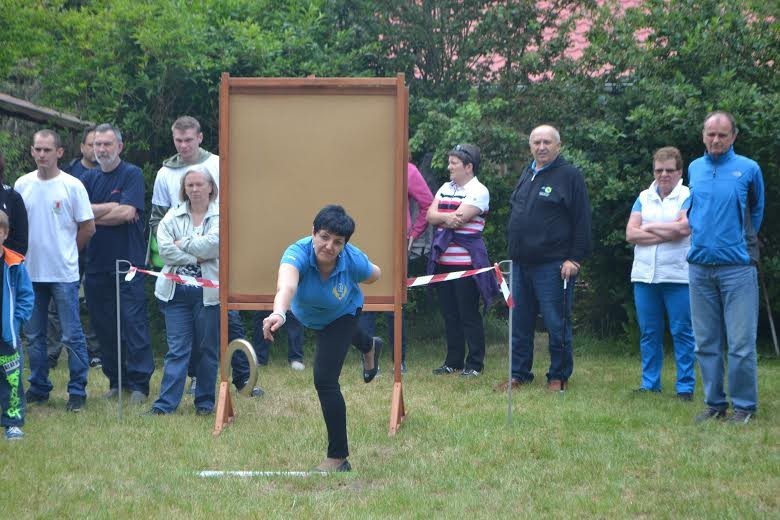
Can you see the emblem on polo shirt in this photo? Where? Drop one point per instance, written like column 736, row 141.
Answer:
column 340, row 290
column 57, row 206
column 545, row 191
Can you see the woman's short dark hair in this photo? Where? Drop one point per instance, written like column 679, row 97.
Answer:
column 333, row 219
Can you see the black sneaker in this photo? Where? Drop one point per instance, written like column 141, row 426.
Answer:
column 643, row 390
column 32, row 398
column 95, row 362
column 685, row 396
column 204, row 411
column 741, row 417
column 470, row 372
column 76, row 403
column 710, row 413
column 443, row 370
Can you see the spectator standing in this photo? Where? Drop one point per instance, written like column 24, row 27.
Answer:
column 727, row 207
column 62, row 222
column 116, row 191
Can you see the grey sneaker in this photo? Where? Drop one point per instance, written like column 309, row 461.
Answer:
column 710, row 413
column 13, row 433
column 137, row 397
column 257, row 392
column 470, row 372
column 76, row 403
column 741, row 417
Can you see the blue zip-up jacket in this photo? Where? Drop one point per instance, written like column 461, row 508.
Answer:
column 727, row 206
column 18, row 296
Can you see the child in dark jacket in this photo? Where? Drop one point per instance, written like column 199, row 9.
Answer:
column 16, row 305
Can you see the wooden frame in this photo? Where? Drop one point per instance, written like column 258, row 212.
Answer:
column 289, row 146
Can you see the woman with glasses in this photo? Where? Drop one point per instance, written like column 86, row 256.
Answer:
column 658, row 226
column 458, row 211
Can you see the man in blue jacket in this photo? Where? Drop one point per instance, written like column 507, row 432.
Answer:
column 727, row 205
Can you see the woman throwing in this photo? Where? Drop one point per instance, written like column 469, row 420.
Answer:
column 658, row 226
column 188, row 240
column 319, row 279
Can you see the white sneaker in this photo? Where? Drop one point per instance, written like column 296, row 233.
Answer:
column 297, row 366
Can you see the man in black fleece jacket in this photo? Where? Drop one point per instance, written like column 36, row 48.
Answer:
column 549, row 235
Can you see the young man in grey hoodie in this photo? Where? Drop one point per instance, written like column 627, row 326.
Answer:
column 187, row 137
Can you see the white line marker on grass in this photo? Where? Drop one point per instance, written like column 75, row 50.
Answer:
column 249, row 474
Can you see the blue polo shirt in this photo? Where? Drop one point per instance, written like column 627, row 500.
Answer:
column 125, row 185
column 319, row 302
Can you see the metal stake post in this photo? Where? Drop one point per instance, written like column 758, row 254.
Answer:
column 119, row 333
column 508, row 275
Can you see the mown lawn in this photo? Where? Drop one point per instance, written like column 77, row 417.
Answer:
column 596, row 451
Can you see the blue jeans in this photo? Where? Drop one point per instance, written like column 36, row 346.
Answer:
column 367, row 322
column 188, row 322
column 137, row 358
column 66, row 299
column 539, row 288
column 652, row 300
column 294, row 338
column 724, row 309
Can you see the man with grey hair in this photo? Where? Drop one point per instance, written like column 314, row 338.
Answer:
column 727, row 207
column 116, row 191
column 548, row 235
column 187, row 137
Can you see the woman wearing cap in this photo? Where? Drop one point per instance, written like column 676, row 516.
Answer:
column 458, row 211
column 658, row 226
column 188, row 240
column 319, row 280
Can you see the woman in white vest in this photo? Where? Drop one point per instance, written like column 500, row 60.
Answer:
column 658, row 226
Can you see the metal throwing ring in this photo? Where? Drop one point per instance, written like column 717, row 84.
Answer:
column 245, row 347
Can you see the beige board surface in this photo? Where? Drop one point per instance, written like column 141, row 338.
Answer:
column 289, row 156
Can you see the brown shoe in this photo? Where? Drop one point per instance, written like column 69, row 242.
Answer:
column 503, row 387
column 556, row 385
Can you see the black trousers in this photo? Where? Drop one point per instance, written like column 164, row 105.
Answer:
column 332, row 345
column 459, row 303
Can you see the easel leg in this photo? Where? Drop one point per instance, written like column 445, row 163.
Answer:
column 225, row 413
column 397, row 409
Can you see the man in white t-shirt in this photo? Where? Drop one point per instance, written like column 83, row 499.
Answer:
column 61, row 223
column 187, row 137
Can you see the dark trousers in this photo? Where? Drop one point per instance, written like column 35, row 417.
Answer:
column 294, row 338
column 331, row 350
column 11, row 390
column 459, row 302
column 137, row 358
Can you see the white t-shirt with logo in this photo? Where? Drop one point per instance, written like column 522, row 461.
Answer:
column 55, row 208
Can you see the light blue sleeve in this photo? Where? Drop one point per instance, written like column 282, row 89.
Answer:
column 637, row 207
column 686, row 205
column 296, row 256
column 360, row 265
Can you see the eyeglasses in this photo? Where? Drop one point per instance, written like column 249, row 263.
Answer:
column 460, row 148
column 659, row 171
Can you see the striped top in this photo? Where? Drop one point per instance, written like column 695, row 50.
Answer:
column 450, row 197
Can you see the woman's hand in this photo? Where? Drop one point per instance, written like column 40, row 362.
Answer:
column 271, row 324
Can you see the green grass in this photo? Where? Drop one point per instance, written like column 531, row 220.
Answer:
column 596, row 451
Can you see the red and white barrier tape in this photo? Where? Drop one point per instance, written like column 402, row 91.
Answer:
column 410, row 282
column 178, row 278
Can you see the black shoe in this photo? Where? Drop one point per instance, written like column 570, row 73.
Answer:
column 444, row 369
column 204, row 411
column 469, row 373
column 344, row 466
column 685, row 396
column 76, row 403
column 710, row 413
column 369, row 375
column 95, row 362
column 154, row 411
column 741, row 417
column 32, row 398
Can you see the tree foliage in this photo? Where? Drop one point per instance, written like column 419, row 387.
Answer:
column 480, row 71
